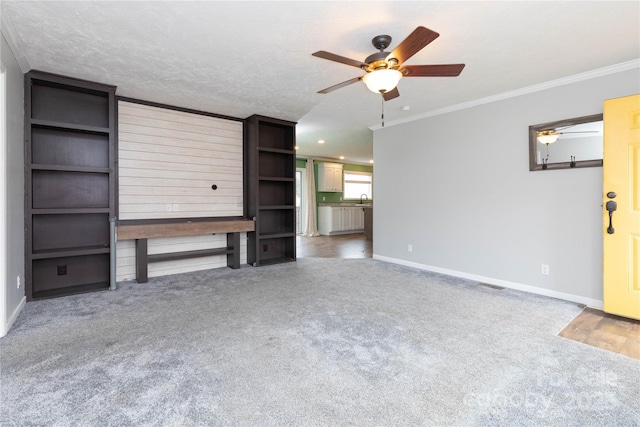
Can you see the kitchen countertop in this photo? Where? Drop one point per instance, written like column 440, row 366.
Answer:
column 347, row 205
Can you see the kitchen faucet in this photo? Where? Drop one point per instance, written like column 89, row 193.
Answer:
column 365, row 196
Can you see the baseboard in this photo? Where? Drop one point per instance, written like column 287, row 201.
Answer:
column 13, row 317
column 590, row 302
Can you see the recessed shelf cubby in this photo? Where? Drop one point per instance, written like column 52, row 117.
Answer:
column 276, row 165
column 69, row 148
column 73, row 104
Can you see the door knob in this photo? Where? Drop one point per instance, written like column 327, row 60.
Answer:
column 611, row 207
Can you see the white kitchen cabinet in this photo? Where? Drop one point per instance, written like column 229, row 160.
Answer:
column 330, row 177
column 340, row 220
column 358, row 218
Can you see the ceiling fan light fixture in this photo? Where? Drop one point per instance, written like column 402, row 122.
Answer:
column 547, row 138
column 381, row 81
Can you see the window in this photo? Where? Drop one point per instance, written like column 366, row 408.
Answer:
column 356, row 184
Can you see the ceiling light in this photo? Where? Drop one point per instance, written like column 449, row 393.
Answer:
column 371, row 161
column 381, row 81
column 341, row 157
column 296, row 147
column 321, row 141
column 547, row 137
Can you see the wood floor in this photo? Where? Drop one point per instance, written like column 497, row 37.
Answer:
column 341, row 246
column 592, row 327
column 606, row 331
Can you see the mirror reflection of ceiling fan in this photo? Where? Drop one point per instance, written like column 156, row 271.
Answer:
column 384, row 70
column 549, row 136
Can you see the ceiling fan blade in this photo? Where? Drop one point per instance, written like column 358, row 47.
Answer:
column 337, row 58
column 420, row 37
column 339, row 85
column 443, row 70
column 388, row 96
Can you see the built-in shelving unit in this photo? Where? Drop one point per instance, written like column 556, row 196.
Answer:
column 269, row 169
column 69, row 184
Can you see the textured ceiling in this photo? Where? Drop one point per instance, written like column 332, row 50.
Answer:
column 241, row 58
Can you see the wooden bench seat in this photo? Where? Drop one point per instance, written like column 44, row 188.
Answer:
column 141, row 230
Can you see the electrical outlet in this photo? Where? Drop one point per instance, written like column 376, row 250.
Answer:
column 176, row 207
column 410, row 247
column 323, row 198
column 169, row 207
column 340, row 198
column 18, row 281
column 545, row 269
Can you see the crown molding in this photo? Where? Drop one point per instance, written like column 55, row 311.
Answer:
column 605, row 71
column 6, row 28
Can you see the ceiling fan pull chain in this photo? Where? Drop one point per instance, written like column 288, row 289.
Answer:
column 382, row 117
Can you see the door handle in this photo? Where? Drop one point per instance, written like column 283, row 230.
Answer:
column 611, row 207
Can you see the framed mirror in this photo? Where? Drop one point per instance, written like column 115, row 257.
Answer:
column 570, row 143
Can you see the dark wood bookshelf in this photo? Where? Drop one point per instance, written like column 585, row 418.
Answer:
column 269, row 168
column 69, row 184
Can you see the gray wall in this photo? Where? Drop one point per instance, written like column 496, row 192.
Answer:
column 14, row 226
column 458, row 188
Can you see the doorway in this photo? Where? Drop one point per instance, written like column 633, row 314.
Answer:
column 339, row 246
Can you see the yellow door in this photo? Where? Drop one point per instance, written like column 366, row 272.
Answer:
column 622, row 226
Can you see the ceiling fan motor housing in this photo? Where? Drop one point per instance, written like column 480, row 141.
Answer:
column 378, row 60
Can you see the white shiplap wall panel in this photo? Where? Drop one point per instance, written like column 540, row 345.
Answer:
column 171, row 158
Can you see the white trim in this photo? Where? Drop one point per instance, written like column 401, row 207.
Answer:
column 12, row 40
column 590, row 302
column 303, row 199
column 14, row 316
column 3, row 201
column 612, row 69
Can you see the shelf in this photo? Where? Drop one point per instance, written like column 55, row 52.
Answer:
column 67, row 252
column 188, row 254
column 276, row 179
column 65, row 211
column 275, row 165
column 69, row 168
column 275, row 207
column 70, row 290
column 263, row 236
column 69, row 126
column 276, row 150
column 69, row 190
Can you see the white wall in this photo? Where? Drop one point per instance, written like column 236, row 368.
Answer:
column 457, row 186
column 12, row 298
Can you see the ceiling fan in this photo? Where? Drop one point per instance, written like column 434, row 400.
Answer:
column 384, row 70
